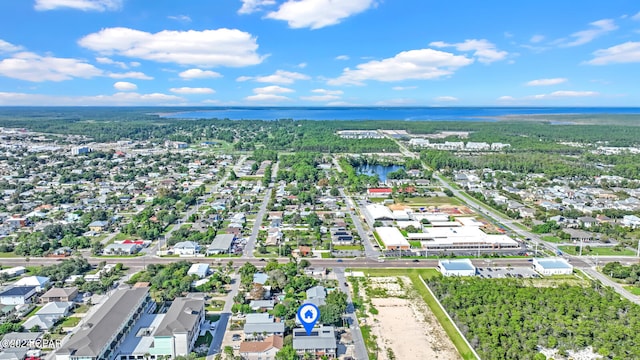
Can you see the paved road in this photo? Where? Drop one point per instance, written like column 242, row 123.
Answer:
column 225, row 315
column 608, row 282
column 360, row 350
column 251, row 243
column 367, row 237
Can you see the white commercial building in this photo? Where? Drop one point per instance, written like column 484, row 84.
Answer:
column 392, row 238
column 379, row 212
column 464, row 237
column 457, row 267
column 199, row 269
column 552, row 266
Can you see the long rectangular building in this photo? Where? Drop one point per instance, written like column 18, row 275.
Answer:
column 392, row 238
column 100, row 336
column 464, row 237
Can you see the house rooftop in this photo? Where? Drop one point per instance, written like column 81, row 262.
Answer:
column 554, row 263
column 459, row 264
column 181, row 316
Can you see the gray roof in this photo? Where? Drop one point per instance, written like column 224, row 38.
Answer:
column 320, row 338
column 60, row 292
column 43, row 322
column 22, row 336
column 181, row 316
column 269, row 328
column 316, row 301
column 258, row 318
column 55, row 308
column 221, row 242
column 13, row 354
column 316, row 292
column 104, row 323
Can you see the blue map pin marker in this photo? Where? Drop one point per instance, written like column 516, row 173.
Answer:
column 308, row 314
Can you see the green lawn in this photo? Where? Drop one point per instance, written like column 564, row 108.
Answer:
column 553, row 239
column 70, row 322
column 215, row 305
column 347, row 247
column 414, row 275
column 8, row 255
column 601, row 251
column 81, row 309
column 325, row 255
column 369, row 341
column 415, row 244
column 633, row 289
column 204, row 340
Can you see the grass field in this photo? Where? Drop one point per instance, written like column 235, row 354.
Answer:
column 347, row 247
column 70, row 322
column 553, row 239
column 8, row 255
column 633, row 289
column 414, row 275
column 601, row 251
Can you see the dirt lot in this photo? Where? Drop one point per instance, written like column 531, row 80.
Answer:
column 405, row 327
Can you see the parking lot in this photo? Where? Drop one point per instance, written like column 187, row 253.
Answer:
column 503, row 272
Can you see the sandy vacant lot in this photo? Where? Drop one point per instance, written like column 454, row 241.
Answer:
column 407, row 326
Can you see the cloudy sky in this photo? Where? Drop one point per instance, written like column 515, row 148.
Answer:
column 320, row 52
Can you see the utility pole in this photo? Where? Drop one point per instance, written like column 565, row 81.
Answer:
column 580, row 248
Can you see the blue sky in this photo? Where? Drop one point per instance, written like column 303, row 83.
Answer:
column 320, row 52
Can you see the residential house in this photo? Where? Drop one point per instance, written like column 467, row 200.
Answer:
column 262, row 325
column 579, row 235
column 631, row 221
column 40, row 282
column 98, row 226
column 587, row 221
column 316, row 295
column 261, row 305
column 59, row 294
column 261, row 350
column 201, row 270
column 321, row 341
column 48, row 315
column 186, row 248
column 17, row 295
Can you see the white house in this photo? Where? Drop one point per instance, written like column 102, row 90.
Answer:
column 121, row 249
column 631, row 221
column 552, row 266
column 199, row 269
column 186, row 248
column 40, row 282
column 457, row 267
column 261, row 350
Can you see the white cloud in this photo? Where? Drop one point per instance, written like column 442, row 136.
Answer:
column 131, row 75
column 628, row 52
column 84, row 5
column 484, row 50
column 267, row 98
column 636, row 16
column 192, row 90
column 32, row 67
column 546, row 82
column 181, row 18
column 117, row 99
column 342, row 57
column 316, row 14
column 108, row 61
column 413, row 64
column 402, row 88
column 564, row 94
column 536, row 39
column 302, row 65
column 279, row 77
column 251, row 6
column 273, row 89
column 199, row 74
column 221, row 47
column 599, row 28
column 125, row 86
column 506, row 98
column 6, row 47
column 323, row 95
column 134, row 64
column 446, row 99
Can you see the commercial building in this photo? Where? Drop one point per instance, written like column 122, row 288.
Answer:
column 100, row 336
column 457, row 267
column 78, row 150
column 392, row 238
column 221, row 244
column 463, row 237
column 199, row 269
column 552, row 266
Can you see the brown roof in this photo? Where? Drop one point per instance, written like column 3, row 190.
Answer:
column 141, row 284
column 273, row 341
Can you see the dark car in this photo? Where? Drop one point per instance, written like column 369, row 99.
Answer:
column 339, row 260
column 416, row 260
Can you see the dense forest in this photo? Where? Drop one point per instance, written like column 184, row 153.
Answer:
column 506, row 319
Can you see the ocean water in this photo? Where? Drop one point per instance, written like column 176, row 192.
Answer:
column 386, row 113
